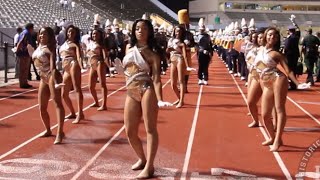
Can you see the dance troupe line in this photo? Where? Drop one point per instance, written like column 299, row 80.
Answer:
column 144, row 54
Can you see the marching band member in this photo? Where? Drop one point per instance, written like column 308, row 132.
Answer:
column 204, row 52
column 183, row 18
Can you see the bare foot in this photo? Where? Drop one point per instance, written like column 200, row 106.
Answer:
column 179, row 105
column 139, row 165
column 59, row 138
column 94, row 105
column 102, row 108
column 146, row 173
column 268, row 142
column 46, row 133
column 79, row 117
column 275, row 147
column 71, row 116
column 253, row 124
column 176, row 102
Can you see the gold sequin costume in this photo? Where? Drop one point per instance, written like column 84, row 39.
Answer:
column 68, row 55
column 266, row 68
column 42, row 62
column 95, row 55
column 250, row 59
column 137, row 72
column 176, row 54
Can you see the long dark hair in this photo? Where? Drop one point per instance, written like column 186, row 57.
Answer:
column 151, row 39
column 100, row 42
column 276, row 47
column 182, row 30
column 51, row 38
column 77, row 37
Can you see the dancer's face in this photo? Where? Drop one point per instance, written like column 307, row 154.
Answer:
column 43, row 36
column 95, row 35
column 141, row 32
column 254, row 37
column 260, row 39
column 71, row 34
column 178, row 33
column 272, row 37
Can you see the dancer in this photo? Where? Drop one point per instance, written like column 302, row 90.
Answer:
column 144, row 93
column 97, row 56
column 179, row 63
column 72, row 64
column 44, row 59
column 275, row 85
column 254, row 88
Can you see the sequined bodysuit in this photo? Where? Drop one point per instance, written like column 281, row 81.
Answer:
column 95, row 55
column 137, row 72
column 42, row 62
column 176, row 54
column 68, row 55
column 266, row 68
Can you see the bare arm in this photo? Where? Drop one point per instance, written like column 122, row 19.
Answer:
column 184, row 54
column 156, row 77
column 79, row 59
column 105, row 56
column 283, row 62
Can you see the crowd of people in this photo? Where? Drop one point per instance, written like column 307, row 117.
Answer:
column 144, row 53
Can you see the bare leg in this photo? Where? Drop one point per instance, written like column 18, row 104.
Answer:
column 132, row 118
column 267, row 105
column 43, row 98
column 174, row 77
column 102, row 77
column 92, row 86
column 150, row 116
column 181, row 70
column 56, row 96
column 254, row 94
column 76, row 80
column 65, row 94
column 281, row 91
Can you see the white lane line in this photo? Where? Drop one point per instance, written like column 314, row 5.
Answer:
column 305, row 111
column 91, row 161
column 191, row 137
column 37, row 136
column 275, row 154
column 25, row 92
column 26, row 109
column 308, row 102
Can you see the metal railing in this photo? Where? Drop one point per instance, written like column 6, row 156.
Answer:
column 5, row 48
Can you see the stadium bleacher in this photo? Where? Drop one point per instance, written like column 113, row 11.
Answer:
column 46, row 12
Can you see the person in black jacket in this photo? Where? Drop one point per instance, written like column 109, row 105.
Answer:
column 204, row 52
column 291, row 50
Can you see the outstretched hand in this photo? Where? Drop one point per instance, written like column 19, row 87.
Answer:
column 118, row 65
column 191, row 69
column 304, row 86
column 164, row 104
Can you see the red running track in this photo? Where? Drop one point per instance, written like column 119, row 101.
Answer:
column 207, row 139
